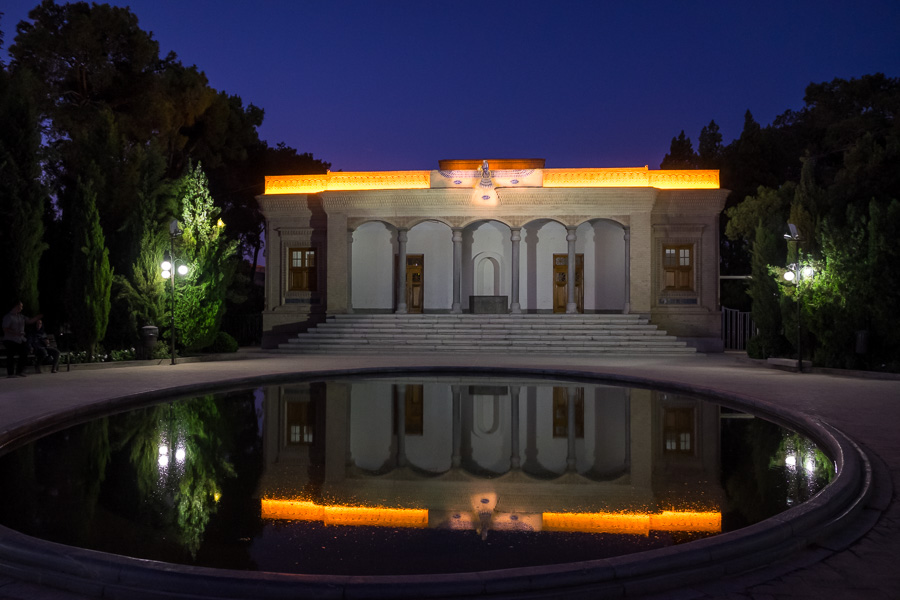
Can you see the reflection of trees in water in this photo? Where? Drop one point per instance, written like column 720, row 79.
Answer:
column 806, row 468
column 179, row 454
column 55, row 486
column 103, row 485
column 760, row 477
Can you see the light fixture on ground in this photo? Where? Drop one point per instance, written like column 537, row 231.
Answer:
column 796, row 274
column 169, row 270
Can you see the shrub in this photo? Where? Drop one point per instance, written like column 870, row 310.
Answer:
column 222, row 343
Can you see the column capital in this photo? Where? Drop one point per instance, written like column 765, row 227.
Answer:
column 515, row 234
column 402, row 234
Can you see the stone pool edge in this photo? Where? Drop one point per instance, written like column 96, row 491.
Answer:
column 104, row 575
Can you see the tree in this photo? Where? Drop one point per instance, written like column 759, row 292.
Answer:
column 92, row 275
column 212, row 259
column 709, row 147
column 23, row 197
column 681, row 154
column 763, row 290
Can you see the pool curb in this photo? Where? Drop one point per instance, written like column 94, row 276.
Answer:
column 802, row 528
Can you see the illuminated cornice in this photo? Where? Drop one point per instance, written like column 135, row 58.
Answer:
column 624, row 522
column 631, row 177
column 552, row 178
column 340, row 181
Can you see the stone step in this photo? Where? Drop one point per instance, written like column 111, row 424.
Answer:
column 600, row 337
column 553, row 334
column 617, row 350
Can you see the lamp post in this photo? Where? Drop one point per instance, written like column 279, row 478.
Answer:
column 795, row 274
column 169, row 270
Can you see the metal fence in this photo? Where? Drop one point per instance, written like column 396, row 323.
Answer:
column 246, row 329
column 737, row 328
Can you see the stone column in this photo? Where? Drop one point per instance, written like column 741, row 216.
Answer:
column 457, row 271
column 401, row 272
column 456, row 457
column 571, row 305
column 640, row 253
column 349, row 270
column 627, row 309
column 515, row 461
column 401, row 425
column 336, row 265
column 570, row 429
column 515, row 237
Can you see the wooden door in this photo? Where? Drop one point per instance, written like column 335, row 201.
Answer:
column 560, row 283
column 415, row 283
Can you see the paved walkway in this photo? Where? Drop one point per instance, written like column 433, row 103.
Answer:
column 866, row 409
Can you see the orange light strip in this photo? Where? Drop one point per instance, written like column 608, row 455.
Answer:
column 380, row 517
column 633, row 523
column 553, row 178
column 302, row 510
column 636, row 177
column 598, row 522
column 340, row 181
column 625, row 523
column 293, row 510
column 686, row 521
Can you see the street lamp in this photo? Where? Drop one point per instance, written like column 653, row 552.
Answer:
column 796, row 274
column 169, row 270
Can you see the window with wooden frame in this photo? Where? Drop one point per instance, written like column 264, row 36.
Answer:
column 302, row 269
column 678, row 264
column 678, row 431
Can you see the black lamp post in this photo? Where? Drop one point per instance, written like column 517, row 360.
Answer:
column 795, row 274
column 169, row 270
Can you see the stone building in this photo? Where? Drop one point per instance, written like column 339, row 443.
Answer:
column 502, row 235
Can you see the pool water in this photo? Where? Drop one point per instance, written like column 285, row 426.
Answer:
column 418, row 474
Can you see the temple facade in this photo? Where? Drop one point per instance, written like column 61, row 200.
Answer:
column 502, row 235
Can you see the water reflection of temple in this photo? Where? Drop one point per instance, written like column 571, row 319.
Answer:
column 447, row 444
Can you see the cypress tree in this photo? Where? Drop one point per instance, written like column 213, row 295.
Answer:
column 91, row 275
column 763, row 290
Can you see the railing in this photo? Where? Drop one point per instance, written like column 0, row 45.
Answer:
column 737, row 328
column 246, row 329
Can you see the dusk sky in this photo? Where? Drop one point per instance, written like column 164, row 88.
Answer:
column 401, row 84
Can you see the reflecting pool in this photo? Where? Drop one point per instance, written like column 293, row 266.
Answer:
column 419, row 474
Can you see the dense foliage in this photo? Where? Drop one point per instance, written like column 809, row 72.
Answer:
column 831, row 169
column 91, row 114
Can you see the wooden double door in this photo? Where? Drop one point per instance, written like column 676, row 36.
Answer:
column 561, row 282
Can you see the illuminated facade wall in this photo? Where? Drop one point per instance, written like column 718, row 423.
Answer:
column 623, row 222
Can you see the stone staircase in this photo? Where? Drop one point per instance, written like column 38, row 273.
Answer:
column 527, row 333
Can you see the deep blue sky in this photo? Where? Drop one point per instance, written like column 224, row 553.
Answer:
column 401, row 84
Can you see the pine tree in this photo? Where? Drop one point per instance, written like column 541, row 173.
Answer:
column 681, row 154
column 212, row 260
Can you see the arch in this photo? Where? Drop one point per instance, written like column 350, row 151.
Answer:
column 485, row 239
column 372, row 266
column 602, row 241
column 487, row 274
column 433, row 238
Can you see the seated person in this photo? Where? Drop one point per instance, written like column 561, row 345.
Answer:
column 40, row 345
